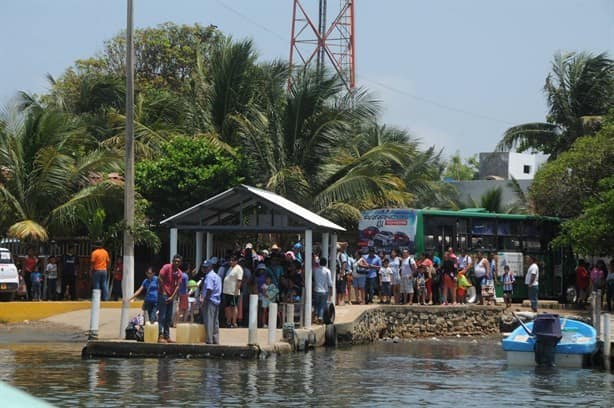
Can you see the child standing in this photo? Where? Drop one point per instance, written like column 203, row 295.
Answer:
column 385, row 280
column 183, row 297
column 508, row 285
column 421, row 284
column 150, row 287
column 270, row 292
column 36, row 280
column 52, row 278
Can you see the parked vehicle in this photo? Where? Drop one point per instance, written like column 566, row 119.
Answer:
column 9, row 276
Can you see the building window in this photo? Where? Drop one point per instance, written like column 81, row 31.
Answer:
column 526, row 169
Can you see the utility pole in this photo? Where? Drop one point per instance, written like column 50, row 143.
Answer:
column 128, row 264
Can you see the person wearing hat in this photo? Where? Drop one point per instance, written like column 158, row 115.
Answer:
column 210, row 298
column 372, row 263
column 99, row 265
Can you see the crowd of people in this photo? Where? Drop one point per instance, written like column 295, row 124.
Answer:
column 217, row 292
column 596, row 280
column 399, row 277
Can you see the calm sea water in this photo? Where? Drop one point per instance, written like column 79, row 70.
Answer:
column 441, row 373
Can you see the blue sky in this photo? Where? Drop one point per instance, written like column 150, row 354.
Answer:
column 454, row 73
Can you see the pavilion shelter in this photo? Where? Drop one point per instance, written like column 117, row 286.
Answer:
column 244, row 209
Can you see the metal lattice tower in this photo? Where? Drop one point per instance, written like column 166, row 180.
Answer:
column 326, row 44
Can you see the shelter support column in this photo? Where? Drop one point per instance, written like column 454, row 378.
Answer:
column 209, row 245
column 198, row 257
column 332, row 261
column 173, row 244
column 324, row 249
column 308, row 276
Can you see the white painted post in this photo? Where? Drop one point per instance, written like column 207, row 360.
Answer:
column 198, row 257
column 607, row 341
column 289, row 313
column 332, row 263
column 272, row 323
column 325, row 248
column 308, row 277
column 95, row 315
column 252, row 331
column 209, row 245
column 173, row 242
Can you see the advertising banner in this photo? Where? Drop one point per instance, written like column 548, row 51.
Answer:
column 512, row 259
column 385, row 229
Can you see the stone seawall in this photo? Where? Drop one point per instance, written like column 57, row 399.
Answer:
column 420, row 321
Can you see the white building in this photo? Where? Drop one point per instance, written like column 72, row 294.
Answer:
column 505, row 165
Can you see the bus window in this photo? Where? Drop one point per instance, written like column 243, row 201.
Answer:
column 484, row 242
column 510, row 243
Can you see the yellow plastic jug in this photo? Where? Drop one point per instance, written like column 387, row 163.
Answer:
column 197, row 333
column 182, row 332
column 151, row 332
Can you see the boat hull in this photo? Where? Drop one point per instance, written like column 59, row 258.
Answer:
column 578, row 343
column 525, row 358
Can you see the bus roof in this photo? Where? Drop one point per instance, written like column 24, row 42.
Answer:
column 483, row 213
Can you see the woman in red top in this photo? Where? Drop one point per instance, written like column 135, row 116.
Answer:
column 116, row 289
column 28, row 266
column 582, row 282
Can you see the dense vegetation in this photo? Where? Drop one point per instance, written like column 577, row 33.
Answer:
column 209, row 114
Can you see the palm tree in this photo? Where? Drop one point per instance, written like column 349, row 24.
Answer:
column 51, row 161
column 579, row 89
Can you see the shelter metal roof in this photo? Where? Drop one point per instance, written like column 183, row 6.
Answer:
column 247, row 208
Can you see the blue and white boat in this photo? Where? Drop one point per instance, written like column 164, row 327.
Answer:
column 578, row 341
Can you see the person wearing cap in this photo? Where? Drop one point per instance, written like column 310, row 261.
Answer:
column 100, row 261
column 169, row 279
column 372, row 263
column 210, row 299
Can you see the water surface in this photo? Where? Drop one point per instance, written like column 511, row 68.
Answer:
column 427, row 372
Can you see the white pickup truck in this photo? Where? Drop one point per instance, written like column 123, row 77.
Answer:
column 9, row 277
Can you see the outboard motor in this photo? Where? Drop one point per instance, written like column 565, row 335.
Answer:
column 547, row 332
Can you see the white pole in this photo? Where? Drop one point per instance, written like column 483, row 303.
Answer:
column 252, row 331
column 95, row 315
column 173, row 244
column 325, row 249
column 272, row 323
column 128, row 258
column 332, row 263
column 198, row 258
column 289, row 313
column 308, row 277
column 209, row 245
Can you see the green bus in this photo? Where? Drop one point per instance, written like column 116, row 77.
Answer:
column 510, row 237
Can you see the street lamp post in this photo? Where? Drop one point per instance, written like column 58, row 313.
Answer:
column 128, row 264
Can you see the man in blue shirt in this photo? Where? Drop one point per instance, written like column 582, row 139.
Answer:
column 372, row 262
column 210, row 298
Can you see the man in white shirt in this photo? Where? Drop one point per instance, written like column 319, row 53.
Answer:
column 532, row 281
column 322, row 287
column 232, row 290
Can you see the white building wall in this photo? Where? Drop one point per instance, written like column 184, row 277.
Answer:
column 523, row 166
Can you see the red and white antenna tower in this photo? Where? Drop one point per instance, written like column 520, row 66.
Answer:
column 326, row 44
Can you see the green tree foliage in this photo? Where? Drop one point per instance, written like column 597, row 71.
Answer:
column 165, row 56
column 579, row 89
column 51, row 162
column 456, row 169
column 188, row 171
column 561, row 186
column 592, row 232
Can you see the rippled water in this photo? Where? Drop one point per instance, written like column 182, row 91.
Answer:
column 441, row 373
